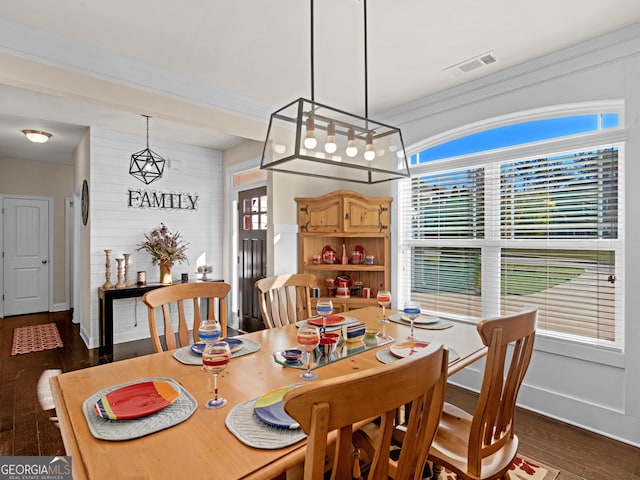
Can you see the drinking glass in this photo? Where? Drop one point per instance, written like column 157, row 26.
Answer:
column 308, row 338
column 384, row 300
column 411, row 310
column 324, row 307
column 215, row 358
column 209, row 330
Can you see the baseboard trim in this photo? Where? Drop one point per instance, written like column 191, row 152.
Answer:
column 60, row 307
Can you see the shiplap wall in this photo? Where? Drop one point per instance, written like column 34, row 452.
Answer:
column 116, row 226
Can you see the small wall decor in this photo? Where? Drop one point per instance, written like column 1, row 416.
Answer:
column 85, row 202
column 155, row 200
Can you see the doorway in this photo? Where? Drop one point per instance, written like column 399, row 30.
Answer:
column 252, row 254
column 27, row 244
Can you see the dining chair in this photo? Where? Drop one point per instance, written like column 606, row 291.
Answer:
column 483, row 445
column 166, row 297
column 344, row 403
column 285, row 299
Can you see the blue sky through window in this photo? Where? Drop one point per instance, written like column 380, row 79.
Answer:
column 518, row 134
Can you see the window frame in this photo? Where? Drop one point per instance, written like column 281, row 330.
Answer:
column 607, row 352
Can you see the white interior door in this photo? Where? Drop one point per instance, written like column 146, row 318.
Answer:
column 26, row 255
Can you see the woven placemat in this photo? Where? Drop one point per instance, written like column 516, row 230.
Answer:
column 439, row 325
column 185, row 354
column 117, row 430
column 385, row 356
column 250, row 430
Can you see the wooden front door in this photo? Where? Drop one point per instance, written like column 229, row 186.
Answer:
column 252, row 251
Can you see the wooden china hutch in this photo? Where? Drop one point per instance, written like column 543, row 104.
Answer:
column 359, row 223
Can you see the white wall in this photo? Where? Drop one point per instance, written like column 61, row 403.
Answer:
column 116, row 226
column 584, row 386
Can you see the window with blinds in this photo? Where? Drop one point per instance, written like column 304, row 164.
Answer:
column 491, row 238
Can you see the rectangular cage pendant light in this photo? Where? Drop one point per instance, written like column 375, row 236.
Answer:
column 308, row 138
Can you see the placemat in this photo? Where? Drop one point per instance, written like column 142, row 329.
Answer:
column 385, row 356
column 250, row 430
column 116, row 430
column 348, row 320
column 439, row 325
column 185, row 354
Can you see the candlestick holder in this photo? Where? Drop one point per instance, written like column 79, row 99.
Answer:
column 127, row 259
column 107, row 273
column 120, row 283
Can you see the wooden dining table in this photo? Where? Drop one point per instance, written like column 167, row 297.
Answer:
column 202, row 446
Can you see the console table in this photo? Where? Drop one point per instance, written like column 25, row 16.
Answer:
column 106, row 296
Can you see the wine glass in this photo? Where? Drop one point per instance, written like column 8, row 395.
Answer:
column 308, row 338
column 215, row 358
column 209, row 330
column 411, row 310
column 383, row 298
column 324, row 307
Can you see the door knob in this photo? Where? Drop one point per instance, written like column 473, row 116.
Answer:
column 44, row 261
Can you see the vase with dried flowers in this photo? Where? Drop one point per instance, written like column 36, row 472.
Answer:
column 166, row 249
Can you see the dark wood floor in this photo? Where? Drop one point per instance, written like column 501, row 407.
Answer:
column 28, row 427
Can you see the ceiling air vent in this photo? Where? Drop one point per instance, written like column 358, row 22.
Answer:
column 472, row 64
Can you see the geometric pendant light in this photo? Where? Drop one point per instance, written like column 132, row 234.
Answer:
column 308, row 138
column 146, row 165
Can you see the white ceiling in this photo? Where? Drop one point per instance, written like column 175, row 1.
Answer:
column 211, row 71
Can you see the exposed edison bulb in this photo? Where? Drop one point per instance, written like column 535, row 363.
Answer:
column 330, row 145
column 279, row 148
column 310, row 140
column 369, row 153
column 351, row 150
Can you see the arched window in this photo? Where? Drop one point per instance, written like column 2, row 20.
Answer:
column 524, row 211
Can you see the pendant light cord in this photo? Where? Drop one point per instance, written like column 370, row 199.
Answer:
column 313, row 96
column 366, row 67
column 147, row 117
column 366, row 63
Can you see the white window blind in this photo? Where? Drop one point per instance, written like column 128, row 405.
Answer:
column 493, row 237
column 567, row 196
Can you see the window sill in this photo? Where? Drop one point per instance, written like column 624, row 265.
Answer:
column 581, row 351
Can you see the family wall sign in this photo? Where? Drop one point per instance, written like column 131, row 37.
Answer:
column 157, row 200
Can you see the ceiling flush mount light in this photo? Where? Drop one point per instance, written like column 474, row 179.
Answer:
column 37, row 136
column 356, row 148
column 146, row 165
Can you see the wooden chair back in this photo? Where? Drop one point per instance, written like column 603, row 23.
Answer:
column 179, row 294
column 510, row 344
column 285, row 299
column 334, row 404
column 491, row 441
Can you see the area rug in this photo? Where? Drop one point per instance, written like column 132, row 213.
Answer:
column 522, row 468
column 35, row 338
